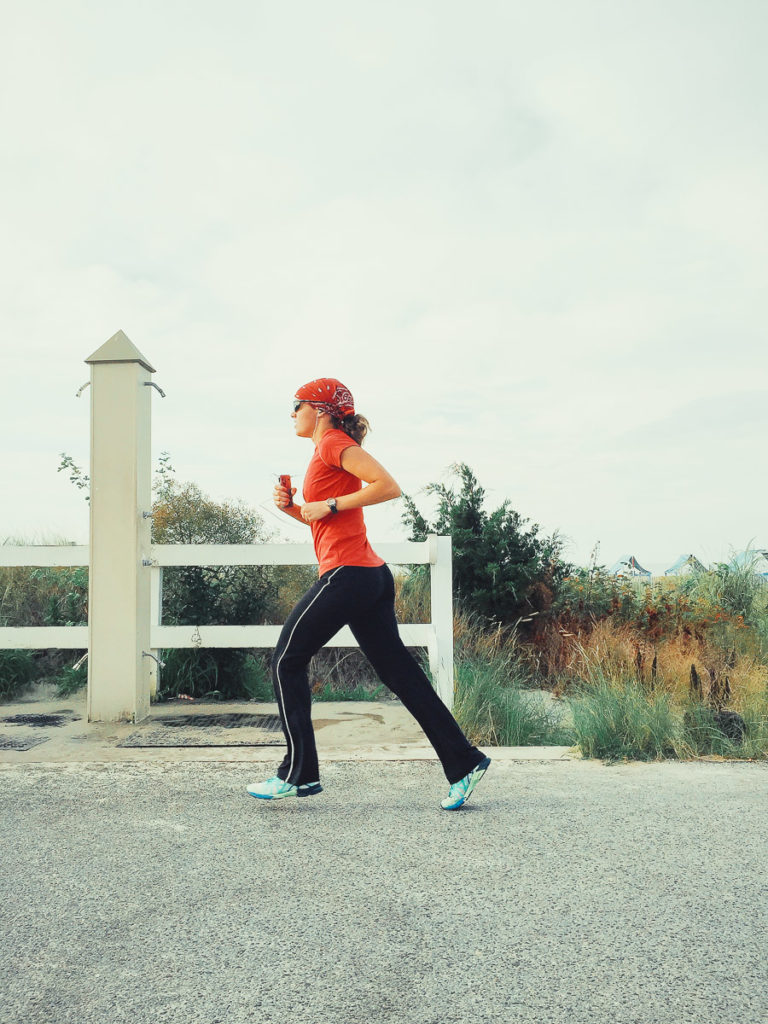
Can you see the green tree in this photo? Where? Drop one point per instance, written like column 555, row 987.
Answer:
column 215, row 594
column 209, row 595
column 502, row 568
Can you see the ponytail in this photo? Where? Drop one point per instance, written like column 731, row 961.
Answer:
column 355, row 426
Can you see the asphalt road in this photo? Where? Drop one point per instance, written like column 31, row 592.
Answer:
column 564, row 892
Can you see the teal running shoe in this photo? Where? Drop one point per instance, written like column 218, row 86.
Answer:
column 462, row 790
column 277, row 789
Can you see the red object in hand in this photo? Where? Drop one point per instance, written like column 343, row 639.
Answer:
column 285, row 481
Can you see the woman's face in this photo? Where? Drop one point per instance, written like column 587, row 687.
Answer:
column 305, row 420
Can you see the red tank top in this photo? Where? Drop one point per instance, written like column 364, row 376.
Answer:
column 340, row 538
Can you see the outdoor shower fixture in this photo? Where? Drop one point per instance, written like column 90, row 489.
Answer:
column 147, row 384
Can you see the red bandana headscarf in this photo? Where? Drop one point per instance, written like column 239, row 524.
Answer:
column 330, row 395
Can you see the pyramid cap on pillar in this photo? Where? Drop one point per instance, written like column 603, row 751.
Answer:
column 119, row 349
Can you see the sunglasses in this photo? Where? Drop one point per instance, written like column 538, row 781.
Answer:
column 297, row 404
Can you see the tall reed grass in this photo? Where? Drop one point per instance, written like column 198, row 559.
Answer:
column 616, row 717
column 496, row 699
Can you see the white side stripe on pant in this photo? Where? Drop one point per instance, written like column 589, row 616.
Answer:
column 279, row 660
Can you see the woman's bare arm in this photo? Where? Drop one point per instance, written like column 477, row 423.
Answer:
column 381, row 485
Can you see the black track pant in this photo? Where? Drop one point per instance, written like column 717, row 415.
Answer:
column 361, row 597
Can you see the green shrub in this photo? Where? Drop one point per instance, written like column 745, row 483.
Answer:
column 216, row 673
column 257, row 678
column 43, row 596
column 70, row 679
column 341, row 670
column 735, row 588
column 702, row 736
column 188, row 670
column 502, row 570
column 495, row 700
column 492, row 709
column 588, row 594
column 754, row 711
column 210, row 595
column 17, row 670
column 624, row 722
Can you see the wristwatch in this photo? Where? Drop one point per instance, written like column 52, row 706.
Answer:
column 331, row 503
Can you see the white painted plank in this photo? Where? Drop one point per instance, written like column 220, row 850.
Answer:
column 43, row 555
column 43, row 638
column 413, row 635
column 407, row 553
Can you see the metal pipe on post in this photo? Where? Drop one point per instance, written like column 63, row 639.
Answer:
column 120, row 534
column 156, row 576
column 441, row 593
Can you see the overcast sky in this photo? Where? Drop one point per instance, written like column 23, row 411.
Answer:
column 529, row 237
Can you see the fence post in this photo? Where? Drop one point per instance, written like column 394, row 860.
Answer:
column 441, row 587
column 120, row 535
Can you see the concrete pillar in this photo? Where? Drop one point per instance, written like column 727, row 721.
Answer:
column 120, row 536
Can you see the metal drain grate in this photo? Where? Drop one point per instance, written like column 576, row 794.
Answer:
column 237, row 720
column 22, row 742
column 234, row 730
column 42, row 721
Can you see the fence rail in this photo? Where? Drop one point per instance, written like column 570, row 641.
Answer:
column 407, row 553
column 57, row 555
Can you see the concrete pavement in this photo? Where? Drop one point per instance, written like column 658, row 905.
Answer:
column 153, row 889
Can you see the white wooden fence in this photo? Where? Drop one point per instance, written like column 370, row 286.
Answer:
column 436, row 636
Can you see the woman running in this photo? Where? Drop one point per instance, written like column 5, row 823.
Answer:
column 355, row 589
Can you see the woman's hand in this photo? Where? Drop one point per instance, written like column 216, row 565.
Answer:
column 312, row 511
column 281, row 497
